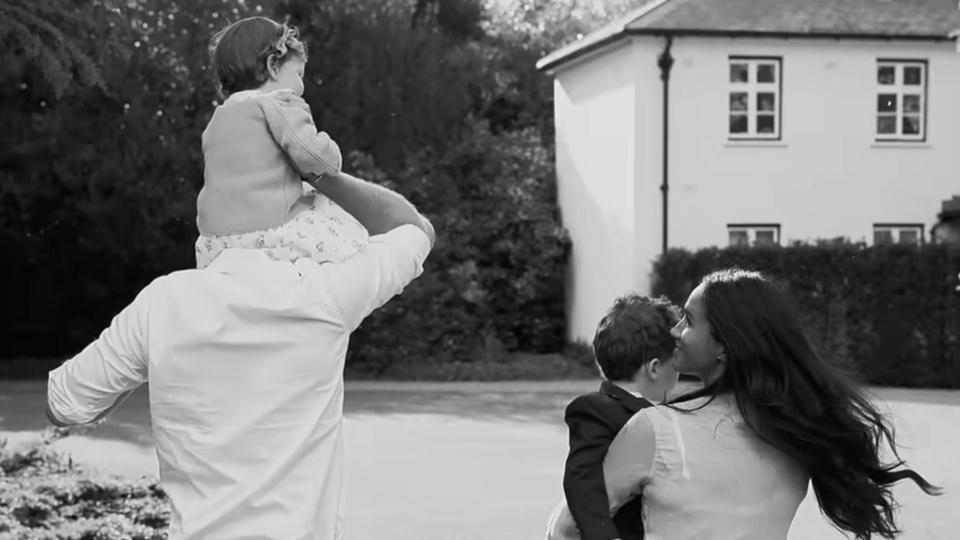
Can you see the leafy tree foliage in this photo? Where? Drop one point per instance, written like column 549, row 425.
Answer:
column 100, row 165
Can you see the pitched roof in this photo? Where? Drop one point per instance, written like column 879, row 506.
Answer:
column 856, row 19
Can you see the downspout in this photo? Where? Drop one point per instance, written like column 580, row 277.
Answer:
column 665, row 63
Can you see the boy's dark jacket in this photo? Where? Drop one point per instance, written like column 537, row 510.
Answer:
column 594, row 420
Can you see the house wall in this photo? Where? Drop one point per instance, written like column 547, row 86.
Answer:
column 826, row 177
column 603, row 115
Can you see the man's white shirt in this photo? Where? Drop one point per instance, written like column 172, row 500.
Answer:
column 245, row 368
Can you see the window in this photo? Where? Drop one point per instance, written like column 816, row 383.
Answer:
column 753, row 234
column 754, row 108
column 901, row 100
column 898, row 233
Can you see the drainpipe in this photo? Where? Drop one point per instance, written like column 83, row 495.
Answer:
column 665, row 63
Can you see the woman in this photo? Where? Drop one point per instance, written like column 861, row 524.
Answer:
column 733, row 458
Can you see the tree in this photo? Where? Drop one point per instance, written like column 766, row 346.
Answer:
column 53, row 35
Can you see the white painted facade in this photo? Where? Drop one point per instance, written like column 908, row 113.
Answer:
column 826, row 177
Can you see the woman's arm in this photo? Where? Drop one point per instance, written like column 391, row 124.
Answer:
column 629, row 461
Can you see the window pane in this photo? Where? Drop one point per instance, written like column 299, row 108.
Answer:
column 739, row 238
column 882, row 236
column 886, row 125
column 887, row 103
column 767, row 73
column 765, row 238
column 739, row 73
column 909, row 236
column 738, row 123
column 765, row 123
column 911, row 76
column 738, row 101
column 766, row 101
column 886, row 74
column 911, row 124
column 911, row 103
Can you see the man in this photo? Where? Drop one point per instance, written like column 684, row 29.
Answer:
column 244, row 362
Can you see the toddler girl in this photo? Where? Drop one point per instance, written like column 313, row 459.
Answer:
column 259, row 146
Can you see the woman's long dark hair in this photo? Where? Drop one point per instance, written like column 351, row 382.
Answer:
column 802, row 405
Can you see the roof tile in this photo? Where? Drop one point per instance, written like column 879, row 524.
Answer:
column 918, row 18
column 904, row 19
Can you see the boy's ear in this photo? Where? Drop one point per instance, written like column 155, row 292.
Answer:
column 653, row 368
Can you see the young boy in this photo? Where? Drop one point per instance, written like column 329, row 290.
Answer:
column 634, row 350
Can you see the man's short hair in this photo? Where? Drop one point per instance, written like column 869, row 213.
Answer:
column 635, row 330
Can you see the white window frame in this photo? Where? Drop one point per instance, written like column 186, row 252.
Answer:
column 751, row 229
column 896, row 229
column 899, row 89
column 752, row 88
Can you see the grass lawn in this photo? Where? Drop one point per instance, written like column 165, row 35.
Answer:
column 483, row 461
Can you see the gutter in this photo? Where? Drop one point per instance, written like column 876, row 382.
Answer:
column 665, row 63
column 553, row 61
column 812, row 34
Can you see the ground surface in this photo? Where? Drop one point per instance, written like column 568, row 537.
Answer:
column 482, row 461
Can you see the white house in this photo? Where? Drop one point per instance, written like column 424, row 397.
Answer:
column 694, row 123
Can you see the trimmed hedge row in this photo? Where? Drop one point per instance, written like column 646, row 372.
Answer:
column 893, row 311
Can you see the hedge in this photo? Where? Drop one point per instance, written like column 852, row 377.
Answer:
column 892, row 311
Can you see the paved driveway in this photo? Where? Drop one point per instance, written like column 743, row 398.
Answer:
column 482, row 461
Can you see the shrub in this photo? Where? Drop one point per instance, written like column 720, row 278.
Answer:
column 891, row 311
column 98, row 181
column 496, row 273
column 99, row 178
column 44, row 496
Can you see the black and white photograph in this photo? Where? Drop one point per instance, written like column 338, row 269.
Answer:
column 479, row 269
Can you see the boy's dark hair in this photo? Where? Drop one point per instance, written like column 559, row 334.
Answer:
column 240, row 52
column 634, row 331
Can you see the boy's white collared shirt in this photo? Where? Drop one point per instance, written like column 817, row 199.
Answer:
column 245, row 368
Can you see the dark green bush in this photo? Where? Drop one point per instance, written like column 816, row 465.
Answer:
column 890, row 311
column 98, row 181
column 101, row 163
column 495, row 277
